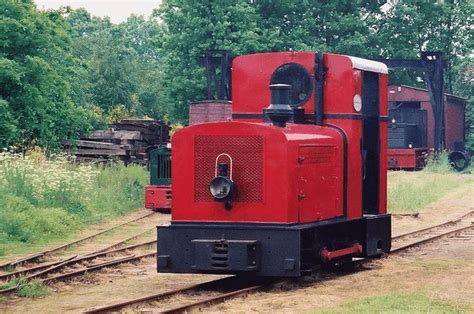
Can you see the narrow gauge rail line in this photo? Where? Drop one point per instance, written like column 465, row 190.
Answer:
column 66, row 245
column 238, row 285
column 411, row 239
column 87, row 269
column 450, row 222
column 47, row 268
column 431, row 237
column 69, row 261
column 253, row 287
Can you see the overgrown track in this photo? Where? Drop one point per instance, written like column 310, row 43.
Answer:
column 68, row 261
column 71, row 266
column 38, row 255
column 218, row 295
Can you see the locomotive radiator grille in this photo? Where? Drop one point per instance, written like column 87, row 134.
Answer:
column 247, row 157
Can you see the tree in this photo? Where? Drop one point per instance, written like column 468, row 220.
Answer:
column 410, row 27
column 192, row 27
column 35, row 60
column 338, row 26
column 121, row 62
column 243, row 27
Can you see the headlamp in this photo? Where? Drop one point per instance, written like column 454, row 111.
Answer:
column 221, row 188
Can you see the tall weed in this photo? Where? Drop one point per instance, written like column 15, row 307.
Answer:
column 47, row 198
column 411, row 191
column 438, row 163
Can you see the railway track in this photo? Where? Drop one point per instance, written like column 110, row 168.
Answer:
column 220, row 290
column 36, row 256
column 71, row 266
column 415, row 238
column 238, row 287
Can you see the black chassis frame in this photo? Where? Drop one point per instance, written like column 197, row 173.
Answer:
column 265, row 249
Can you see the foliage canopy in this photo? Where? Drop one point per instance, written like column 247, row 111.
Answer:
column 64, row 72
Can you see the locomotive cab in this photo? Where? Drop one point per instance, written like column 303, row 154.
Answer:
column 296, row 179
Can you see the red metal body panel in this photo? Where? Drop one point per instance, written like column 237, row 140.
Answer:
column 158, row 197
column 342, row 83
column 251, row 75
column 301, row 173
column 407, row 158
column 383, row 143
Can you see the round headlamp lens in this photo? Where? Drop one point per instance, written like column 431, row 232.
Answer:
column 220, row 187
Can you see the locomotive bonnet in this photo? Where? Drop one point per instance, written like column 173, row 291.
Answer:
column 296, row 179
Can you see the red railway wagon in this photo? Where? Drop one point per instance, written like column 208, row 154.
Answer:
column 297, row 178
column 411, row 126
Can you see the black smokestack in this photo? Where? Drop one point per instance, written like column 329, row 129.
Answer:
column 279, row 111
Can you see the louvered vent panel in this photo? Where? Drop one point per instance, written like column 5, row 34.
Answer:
column 247, row 156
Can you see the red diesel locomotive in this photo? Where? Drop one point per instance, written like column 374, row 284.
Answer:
column 297, row 178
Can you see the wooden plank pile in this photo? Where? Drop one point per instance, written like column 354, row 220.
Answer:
column 126, row 140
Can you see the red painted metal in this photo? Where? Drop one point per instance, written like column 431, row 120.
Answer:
column 407, row 158
column 327, row 256
column 342, row 82
column 281, row 173
column 383, row 143
column 158, row 197
column 286, row 175
column 251, row 76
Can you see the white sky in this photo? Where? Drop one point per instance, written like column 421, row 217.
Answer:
column 118, row 11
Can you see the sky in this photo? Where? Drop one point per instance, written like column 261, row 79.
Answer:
column 117, row 10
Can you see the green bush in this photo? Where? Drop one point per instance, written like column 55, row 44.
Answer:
column 44, row 199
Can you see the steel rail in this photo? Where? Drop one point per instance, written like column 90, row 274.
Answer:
column 120, row 242
column 66, row 245
column 75, row 260
column 89, row 268
column 97, row 267
column 159, row 296
column 214, row 300
column 453, row 221
column 431, row 238
column 245, row 291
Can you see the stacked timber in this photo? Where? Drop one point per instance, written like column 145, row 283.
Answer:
column 127, row 140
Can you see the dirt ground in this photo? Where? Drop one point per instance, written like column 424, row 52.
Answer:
column 438, row 269
column 443, row 269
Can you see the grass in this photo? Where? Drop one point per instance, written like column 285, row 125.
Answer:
column 417, row 302
column 32, row 289
column 10, row 284
column 46, row 199
column 411, row 191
